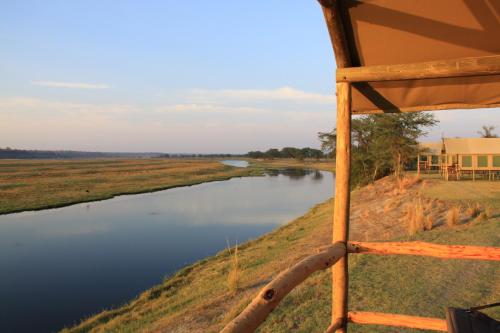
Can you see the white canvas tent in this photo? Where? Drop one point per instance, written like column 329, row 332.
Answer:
column 462, row 156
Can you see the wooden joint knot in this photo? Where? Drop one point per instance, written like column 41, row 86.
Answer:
column 337, row 324
column 269, row 294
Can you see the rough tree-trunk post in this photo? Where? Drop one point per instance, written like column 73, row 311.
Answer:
column 333, row 18
column 342, row 199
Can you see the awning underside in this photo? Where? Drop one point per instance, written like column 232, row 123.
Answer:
column 390, row 32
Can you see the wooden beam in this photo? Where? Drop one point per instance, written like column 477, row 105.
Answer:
column 429, row 108
column 472, row 66
column 335, row 26
column 342, row 201
column 427, row 249
column 387, row 319
column 272, row 294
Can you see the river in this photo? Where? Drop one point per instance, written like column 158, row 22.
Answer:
column 60, row 265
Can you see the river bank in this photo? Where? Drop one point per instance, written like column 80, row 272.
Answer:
column 202, row 297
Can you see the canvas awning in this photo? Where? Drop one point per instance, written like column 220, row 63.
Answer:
column 394, row 32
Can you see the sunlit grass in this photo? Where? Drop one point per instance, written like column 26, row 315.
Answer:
column 38, row 184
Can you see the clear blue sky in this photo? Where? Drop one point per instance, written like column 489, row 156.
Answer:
column 172, row 76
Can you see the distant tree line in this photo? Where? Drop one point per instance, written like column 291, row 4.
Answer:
column 11, row 153
column 182, row 155
column 288, row 152
column 66, row 154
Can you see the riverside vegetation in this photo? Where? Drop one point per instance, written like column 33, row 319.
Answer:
column 204, row 296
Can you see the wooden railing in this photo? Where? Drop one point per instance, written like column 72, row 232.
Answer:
column 426, row 249
column 389, row 319
column 272, row 294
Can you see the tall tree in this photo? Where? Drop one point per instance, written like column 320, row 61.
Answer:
column 382, row 144
column 487, row 132
column 328, row 141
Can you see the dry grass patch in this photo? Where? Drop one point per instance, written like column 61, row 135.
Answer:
column 405, row 182
column 429, row 222
column 473, row 210
column 452, row 216
column 415, row 216
column 233, row 278
column 390, row 204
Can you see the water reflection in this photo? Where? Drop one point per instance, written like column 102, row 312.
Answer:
column 318, row 176
column 60, row 265
column 297, row 174
column 236, row 163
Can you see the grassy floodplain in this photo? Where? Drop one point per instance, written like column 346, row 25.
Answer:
column 40, row 184
column 202, row 298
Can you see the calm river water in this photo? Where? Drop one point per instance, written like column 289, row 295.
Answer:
column 59, row 265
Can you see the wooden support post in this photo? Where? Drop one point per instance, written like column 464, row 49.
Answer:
column 333, row 18
column 418, row 164
column 342, row 198
column 336, row 31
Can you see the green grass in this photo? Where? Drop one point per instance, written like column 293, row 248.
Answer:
column 485, row 192
column 197, row 298
column 41, row 184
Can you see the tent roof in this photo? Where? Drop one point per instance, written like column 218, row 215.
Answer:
column 431, row 148
column 392, row 32
column 472, row 146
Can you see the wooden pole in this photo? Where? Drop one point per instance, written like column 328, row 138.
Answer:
column 389, row 319
column 334, row 22
column 335, row 27
column 342, row 199
column 418, row 164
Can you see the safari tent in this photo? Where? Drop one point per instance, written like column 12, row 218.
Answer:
column 393, row 56
column 462, row 157
column 429, row 157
